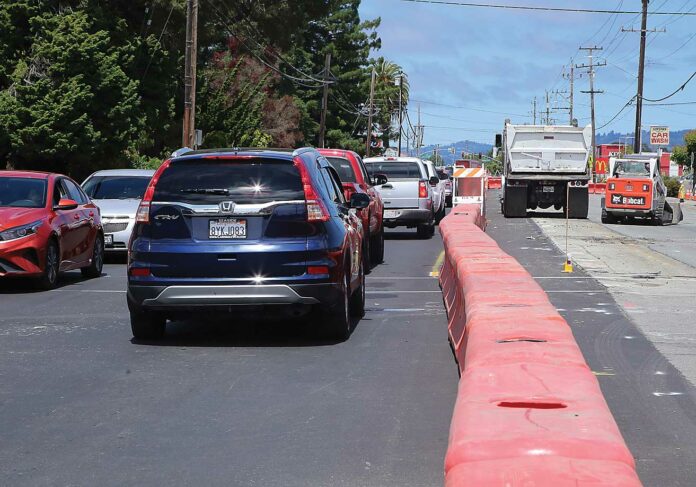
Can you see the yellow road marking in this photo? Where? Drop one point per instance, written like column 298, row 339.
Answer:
column 438, row 263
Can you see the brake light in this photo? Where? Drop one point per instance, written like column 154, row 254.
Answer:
column 422, row 189
column 143, row 213
column 316, row 211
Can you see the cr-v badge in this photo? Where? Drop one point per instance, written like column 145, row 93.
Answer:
column 166, row 217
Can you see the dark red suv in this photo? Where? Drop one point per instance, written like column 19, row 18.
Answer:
column 355, row 179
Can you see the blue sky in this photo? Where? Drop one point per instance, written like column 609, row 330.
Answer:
column 490, row 60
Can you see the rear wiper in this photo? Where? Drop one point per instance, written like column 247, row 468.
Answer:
column 206, row 190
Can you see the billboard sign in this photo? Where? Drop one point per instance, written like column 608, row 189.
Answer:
column 659, row 135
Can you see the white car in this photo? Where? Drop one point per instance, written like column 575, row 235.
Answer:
column 439, row 192
column 117, row 193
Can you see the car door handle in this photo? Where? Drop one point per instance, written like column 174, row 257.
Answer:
column 388, row 186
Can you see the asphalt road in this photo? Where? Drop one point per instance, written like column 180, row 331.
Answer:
column 225, row 402
column 654, row 406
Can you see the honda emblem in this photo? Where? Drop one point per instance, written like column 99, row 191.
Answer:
column 227, row 206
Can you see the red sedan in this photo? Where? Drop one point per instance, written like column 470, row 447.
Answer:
column 355, row 179
column 47, row 225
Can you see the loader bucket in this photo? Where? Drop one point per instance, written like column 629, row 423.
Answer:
column 672, row 214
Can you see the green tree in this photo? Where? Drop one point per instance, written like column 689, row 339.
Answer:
column 69, row 105
column 387, row 89
column 681, row 154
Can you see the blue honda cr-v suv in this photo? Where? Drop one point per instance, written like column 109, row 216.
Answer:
column 222, row 229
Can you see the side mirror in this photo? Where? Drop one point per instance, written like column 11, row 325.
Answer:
column 434, row 181
column 66, row 204
column 359, row 200
column 379, row 179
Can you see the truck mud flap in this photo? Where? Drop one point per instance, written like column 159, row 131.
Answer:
column 579, row 202
column 514, row 201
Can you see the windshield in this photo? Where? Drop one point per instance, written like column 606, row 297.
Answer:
column 395, row 170
column 116, row 187
column 22, row 192
column 344, row 169
column 250, row 182
column 635, row 168
column 442, row 174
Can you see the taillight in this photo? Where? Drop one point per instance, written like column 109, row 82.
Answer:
column 143, row 213
column 646, row 187
column 422, row 189
column 316, row 211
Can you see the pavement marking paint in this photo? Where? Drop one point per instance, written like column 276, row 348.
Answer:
column 435, row 272
column 660, row 394
column 602, row 373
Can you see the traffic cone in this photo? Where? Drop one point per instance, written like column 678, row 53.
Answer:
column 568, row 266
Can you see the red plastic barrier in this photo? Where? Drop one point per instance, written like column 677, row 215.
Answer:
column 597, row 188
column 542, row 471
column 529, row 411
column 495, row 183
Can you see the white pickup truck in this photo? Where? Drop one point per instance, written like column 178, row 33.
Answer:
column 408, row 193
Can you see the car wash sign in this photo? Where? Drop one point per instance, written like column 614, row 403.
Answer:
column 659, row 135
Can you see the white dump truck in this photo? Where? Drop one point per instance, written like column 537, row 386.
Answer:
column 545, row 166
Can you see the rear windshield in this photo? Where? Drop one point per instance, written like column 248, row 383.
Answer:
column 251, row 181
column 22, row 192
column 116, row 187
column 395, row 170
column 344, row 169
column 442, row 174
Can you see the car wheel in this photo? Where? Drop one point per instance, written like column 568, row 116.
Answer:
column 335, row 320
column 357, row 299
column 424, row 231
column 146, row 326
column 95, row 268
column 49, row 278
column 377, row 248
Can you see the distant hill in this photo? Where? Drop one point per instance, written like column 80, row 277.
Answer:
column 459, row 147
column 676, row 137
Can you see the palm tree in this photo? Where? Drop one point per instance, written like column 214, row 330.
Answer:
column 388, row 75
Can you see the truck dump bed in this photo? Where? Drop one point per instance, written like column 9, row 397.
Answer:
column 543, row 149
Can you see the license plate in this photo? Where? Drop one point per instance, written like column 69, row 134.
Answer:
column 629, row 187
column 108, row 240
column 390, row 213
column 227, row 228
column 547, row 189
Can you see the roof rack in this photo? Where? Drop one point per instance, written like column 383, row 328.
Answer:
column 181, row 152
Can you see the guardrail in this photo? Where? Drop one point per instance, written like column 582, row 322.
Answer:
column 529, row 411
column 495, row 182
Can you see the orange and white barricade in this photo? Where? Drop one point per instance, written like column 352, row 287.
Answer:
column 469, row 187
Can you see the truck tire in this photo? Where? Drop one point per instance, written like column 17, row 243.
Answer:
column 579, row 203
column 515, row 201
column 425, row 231
column 607, row 217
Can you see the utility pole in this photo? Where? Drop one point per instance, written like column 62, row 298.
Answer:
column 591, row 65
column 324, row 100
column 571, row 100
column 548, row 113
column 534, row 112
column 419, row 134
column 637, row 142
column 400, row 81
column 371, row 108
column 190, row 73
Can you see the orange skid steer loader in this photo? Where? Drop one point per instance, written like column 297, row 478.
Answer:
column 635, row 190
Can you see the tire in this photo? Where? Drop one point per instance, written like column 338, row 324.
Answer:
column 334, row 320
column 146, row 326
column 95, row 267
column 440, row 215
column 608, row 217
column 425, row 231
column 357, row 299
column 49, row 278
column 377, row 248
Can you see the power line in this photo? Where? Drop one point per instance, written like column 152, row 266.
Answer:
column 542, row 9
column 674, row 92
column 628, row 103
column 467, row 108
